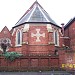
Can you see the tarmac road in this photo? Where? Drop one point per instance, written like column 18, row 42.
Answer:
column 36, row 73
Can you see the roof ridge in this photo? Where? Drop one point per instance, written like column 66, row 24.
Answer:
column 69, row 22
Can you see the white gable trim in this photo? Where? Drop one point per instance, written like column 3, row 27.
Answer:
column 43, row 14
column 31, row 13
column 40, row 11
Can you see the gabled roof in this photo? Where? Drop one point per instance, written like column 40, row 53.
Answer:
column 69, row 23
column 35, row 14
column 5, row 29
column 5, row 33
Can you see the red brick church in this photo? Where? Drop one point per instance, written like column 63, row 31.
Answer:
column 42, row 42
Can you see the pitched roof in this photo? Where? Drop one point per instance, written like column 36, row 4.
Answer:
column 35, row 14
column 69, row 23
column 5, row 33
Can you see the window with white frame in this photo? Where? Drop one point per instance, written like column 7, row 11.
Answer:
column 56, row 38
column 19, row 38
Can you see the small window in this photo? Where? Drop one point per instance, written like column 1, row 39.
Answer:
column 18, row 38
column 56, row 38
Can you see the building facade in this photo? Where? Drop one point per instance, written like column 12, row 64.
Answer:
column 42, row 42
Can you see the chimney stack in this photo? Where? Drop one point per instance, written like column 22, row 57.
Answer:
column 62, row 28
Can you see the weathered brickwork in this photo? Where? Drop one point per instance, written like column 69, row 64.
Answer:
column 44, row 45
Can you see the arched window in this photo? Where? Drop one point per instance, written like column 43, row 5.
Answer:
column 19, row 37
column 56, row 38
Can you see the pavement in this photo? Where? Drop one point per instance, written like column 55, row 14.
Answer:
column 38, row 73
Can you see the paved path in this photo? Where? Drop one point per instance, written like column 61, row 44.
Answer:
column 35, row 73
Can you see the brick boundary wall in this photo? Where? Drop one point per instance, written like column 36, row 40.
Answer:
column 30, row 63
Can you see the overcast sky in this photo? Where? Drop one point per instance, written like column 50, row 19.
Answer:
column 61, row 11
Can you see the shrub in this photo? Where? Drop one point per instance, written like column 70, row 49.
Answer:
column 12, row 55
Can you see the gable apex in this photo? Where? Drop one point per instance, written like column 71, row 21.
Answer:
column 5, row 33
column 5, row 29
column 35, row 13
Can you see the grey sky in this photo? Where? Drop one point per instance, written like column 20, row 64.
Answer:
column 61, row 11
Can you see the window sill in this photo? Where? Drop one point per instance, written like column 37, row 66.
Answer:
column 18, row 45
column 56, row 45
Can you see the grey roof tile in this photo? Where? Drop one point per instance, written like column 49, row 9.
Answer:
column 35, row 14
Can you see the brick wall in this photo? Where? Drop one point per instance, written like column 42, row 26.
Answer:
column 70, row 32
column 29, row 63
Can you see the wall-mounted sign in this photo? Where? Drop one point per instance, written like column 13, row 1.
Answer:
column 68, row 65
